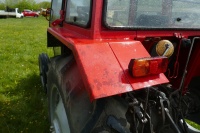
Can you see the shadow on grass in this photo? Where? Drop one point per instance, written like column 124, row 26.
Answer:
column 24, row 108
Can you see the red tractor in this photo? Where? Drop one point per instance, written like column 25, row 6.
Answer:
column 123, row 66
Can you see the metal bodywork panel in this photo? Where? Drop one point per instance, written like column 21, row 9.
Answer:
column 105, row 68
column 102, row 73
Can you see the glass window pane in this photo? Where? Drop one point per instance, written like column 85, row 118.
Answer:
column 78, row 12
column 56, row 7
column 151, row 14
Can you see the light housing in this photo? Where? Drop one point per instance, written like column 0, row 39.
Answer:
column 148, row 66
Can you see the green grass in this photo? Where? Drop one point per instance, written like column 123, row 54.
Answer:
column 195, row 125
column 23, row 105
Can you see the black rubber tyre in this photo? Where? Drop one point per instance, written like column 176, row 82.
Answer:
column 43, row 61
column 56, row 103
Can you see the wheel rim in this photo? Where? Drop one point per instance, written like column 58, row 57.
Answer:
column 59, row 121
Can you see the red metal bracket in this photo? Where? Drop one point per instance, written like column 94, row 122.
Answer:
column 176, row 64
column 58, row 21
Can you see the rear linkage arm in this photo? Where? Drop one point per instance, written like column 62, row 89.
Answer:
column 165, row 107
column 139, row 110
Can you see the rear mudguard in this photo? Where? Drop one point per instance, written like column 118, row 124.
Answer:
column 103, row 64
column 104, row 68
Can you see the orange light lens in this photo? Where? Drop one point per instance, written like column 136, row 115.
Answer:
column 148, row 66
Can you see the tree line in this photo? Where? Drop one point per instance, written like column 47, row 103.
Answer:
column 23, row 4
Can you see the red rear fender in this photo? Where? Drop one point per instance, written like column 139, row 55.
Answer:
column 104, row 68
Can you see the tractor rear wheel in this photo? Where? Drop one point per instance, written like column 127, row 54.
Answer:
column 57, row 112
column 70, row 108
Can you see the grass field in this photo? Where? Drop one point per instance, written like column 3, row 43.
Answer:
column 23, row 105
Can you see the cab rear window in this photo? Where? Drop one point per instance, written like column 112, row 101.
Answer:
column 152, row 14
column 79, row 12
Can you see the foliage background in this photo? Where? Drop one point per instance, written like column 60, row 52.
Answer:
column 24, row 4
